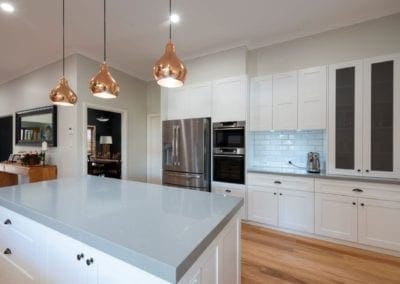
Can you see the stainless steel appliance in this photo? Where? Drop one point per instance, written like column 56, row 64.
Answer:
column 187, row 153
column 229, row 151
column 313, row 164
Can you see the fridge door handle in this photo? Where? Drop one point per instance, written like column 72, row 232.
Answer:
column 184, row 175
column 177, row 134
column 173, row 144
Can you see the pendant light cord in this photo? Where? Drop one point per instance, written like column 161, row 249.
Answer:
column 170, row 22
column 104, row 33
column 63, row 37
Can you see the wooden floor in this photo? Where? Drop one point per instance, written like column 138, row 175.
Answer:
column 273, row 257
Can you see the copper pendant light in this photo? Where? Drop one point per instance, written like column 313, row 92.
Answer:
column 103, row 85
column 169, row 70
column 62, row 94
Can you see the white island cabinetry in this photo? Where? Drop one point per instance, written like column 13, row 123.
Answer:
column 48, row 243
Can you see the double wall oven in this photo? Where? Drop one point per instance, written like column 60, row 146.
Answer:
column 229, row 152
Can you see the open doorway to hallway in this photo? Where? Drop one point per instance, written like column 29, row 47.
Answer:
column 103, row 136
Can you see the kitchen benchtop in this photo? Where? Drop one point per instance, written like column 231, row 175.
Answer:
column 162, row 230
column 304, row 173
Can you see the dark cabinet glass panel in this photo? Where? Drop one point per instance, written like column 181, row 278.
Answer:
column 382, row 116
column 345, row 110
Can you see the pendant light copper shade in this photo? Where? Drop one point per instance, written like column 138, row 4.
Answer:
column 169, row 71
column 103, row 85
column 62, row 94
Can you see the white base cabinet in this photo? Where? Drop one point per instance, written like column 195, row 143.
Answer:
column 378, row 223
column 367, row 213
column 336, row 216
column 34, row 254
column 286, row 202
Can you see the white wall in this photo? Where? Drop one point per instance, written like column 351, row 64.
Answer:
column 31, row 90
column 368, row 39
column 153, row 92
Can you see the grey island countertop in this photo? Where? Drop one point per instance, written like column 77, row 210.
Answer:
column 322, row 174
column 162, row 230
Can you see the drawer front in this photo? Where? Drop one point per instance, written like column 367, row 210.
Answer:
column 284, row 182
column 229, row 191
column 358, row 189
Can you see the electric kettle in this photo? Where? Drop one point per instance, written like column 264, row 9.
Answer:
column 313, row 165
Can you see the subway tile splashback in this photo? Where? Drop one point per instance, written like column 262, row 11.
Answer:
column 274, row 149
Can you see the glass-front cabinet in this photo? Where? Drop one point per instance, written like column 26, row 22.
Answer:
column 381, row 126
column 345, row 118
column 364, row 117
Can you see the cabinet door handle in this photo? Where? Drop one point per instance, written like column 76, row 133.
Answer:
column 280, row 193
column 362, row 204
column 367, row 171
column 7, row 251
column 357, row 190
column 228, row 190
column 7, row 222
column 80, row 256
column 89, row 261
column 358, row 170
column 274, row 193
column 354, row 203
column 277, row 182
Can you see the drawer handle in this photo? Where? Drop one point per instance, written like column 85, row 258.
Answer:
column 357, row 190
column 228, row 190
column 362, row 204
column 354, row 203
column 274, row 193
column 277, row 182
column 80, row 256
column 89, row 261
column 280, row 193
column 7, row 251
column 7, row 222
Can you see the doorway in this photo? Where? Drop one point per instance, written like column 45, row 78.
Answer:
column 6, row 137
column 103, row 143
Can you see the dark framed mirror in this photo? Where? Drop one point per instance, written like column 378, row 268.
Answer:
column 34, row 126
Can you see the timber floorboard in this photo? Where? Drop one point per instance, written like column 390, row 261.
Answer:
column 270, row 256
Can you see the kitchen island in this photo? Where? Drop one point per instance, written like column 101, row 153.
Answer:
column 100, row 230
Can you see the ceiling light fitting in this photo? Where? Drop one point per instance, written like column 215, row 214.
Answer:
column 103, row 85
column 169, row 71
column 7, row 7
column 62, row 94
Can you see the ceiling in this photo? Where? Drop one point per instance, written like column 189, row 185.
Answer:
column 138, row 29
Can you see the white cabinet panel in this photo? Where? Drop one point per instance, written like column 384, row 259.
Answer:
column 378, row 223
column 381, row 121
column 263, row 204
column 229, row 99
column 176, row 104
column 198, row 100
column 191, row 101
column 11, row 273
column 336, row 216
column 285, row 101
column 209, row 270
column 296, row 210
column 230, row 272
column 345, row 118
column 312, row 98
column 232, row 190
column 62, row 264
column 261, row 104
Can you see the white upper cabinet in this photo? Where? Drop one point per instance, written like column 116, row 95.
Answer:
column 312, row 98
column 285, row 101
column 364, row 117
column 381, row 135
column 261, row 104
column 229, row 99
column 189, row 102
column 345, row 118
column 176, row 103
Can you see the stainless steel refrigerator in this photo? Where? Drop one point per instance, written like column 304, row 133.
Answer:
column 187, row 153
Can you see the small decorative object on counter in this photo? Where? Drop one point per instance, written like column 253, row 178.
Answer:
column 31, row 159
column 43, row 153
